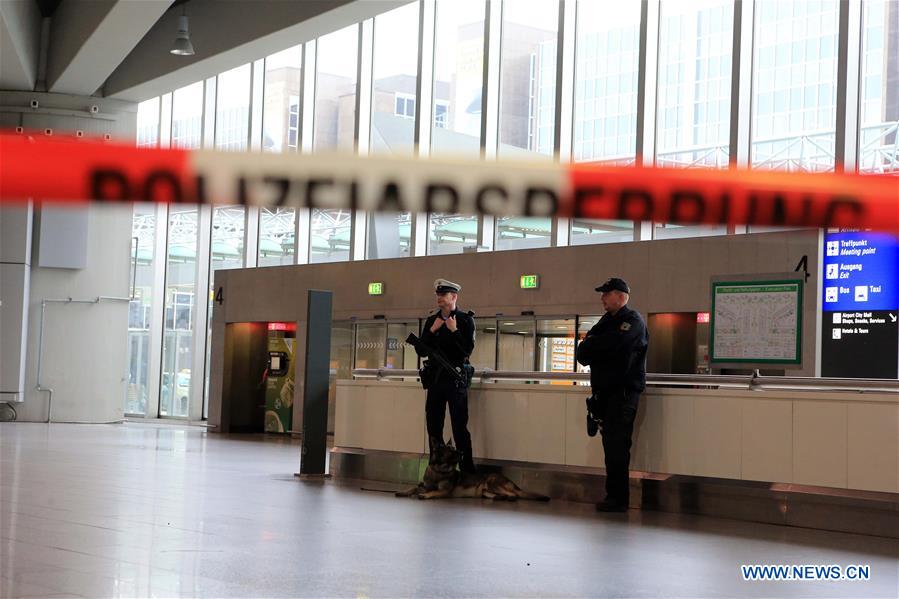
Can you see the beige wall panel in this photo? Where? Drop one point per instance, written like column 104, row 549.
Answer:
column 819, row 443
column 544, row 428
column 409, row 423
column 716, row 439
column 380, row 416
column 767, row 440
column 873, row 439
column 349, row 426
column 580, row 450
column 504, row 418
column 663, row 436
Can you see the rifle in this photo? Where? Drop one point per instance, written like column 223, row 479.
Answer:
column 434, row 354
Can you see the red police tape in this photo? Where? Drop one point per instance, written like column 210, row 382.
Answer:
column 42, row 168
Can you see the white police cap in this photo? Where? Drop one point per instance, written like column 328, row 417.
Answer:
column 443, row 286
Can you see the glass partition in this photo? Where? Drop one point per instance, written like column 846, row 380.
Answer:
column 516, row 344
column 484, row 354
column 401, row 355
column 370, row 341
column 342, row 349
column 555, row 345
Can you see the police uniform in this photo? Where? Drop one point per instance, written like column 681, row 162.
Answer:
column 615, row 350
column 456, row 346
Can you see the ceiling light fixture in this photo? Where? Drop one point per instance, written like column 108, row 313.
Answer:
column 182, row 45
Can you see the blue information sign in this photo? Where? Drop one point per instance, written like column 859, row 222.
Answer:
column 861, row 271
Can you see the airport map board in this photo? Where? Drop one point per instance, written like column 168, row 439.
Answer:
column 756, row 322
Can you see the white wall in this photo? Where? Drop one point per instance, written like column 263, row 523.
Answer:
column 85, row 345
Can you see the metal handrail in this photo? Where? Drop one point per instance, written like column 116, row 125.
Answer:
column 752, row 382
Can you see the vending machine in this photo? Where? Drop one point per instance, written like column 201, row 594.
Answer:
column 279, row 377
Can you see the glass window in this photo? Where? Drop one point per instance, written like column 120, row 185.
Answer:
column 585, row 231
column 180, row 312
column 342, row 350
column 484, row 354
column 519, row 232
column 695, row 47
column 335, row 89
column 394, row 81
column 143, row 244
column 281, row 112
column 555, row 345
column 232, row 109
column 227, row 251
column 148, row 123
column 187, row 116
column 670, row 231
column 389, row 235
column 516, row 344
column 879, row 111
column 329, row 239
column 458, row 78
column 401, row 355
column 451, row 233
column 277, row 237
column 605, row 85
column 370, row 339
column 792, row 135
column 528, row 79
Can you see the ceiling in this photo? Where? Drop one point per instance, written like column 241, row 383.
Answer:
column 120, row 48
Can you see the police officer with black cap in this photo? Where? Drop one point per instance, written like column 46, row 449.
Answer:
column 615, row 350
column 452, row 333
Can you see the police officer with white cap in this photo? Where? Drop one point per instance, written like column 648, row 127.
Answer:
column 615, row 350
column 452, row 333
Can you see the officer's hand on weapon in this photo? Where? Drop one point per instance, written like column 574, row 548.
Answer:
column 451, row 323
column 438, row 322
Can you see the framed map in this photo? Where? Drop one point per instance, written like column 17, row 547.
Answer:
column 756, row 322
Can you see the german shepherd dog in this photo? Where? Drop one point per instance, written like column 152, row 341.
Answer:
column 442, row 480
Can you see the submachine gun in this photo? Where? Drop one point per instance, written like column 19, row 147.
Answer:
column 437, row 362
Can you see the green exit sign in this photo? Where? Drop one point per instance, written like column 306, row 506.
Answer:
column 530, row 281
column 376, row 288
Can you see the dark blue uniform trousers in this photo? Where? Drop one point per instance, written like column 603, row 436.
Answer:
column 444, row 391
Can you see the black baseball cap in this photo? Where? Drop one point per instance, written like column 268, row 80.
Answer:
column 614, row 284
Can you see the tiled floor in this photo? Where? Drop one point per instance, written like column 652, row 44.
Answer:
column 158, row 510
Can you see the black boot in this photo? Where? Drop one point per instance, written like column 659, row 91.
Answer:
column 466, row 464
column 433, row 444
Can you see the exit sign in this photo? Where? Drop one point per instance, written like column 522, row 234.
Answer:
column 530, row 281
column 376, row 288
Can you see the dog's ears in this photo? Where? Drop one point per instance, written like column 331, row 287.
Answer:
column 449, row 444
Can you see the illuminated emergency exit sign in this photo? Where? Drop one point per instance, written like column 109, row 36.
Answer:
column 376, row 288
column 530, row 281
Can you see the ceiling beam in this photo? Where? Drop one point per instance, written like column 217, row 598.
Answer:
column 20, row 39
column 88, row 40
column 227, row 34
